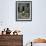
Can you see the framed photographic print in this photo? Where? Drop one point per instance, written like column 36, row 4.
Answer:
column 23, row 10
column 38, row 44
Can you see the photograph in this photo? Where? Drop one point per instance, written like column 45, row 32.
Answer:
column 23, row 10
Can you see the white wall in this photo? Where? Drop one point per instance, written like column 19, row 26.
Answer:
column 31, row 30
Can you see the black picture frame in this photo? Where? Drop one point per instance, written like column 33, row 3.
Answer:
column 23, row 10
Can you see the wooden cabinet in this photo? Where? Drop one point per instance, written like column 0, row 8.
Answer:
column 11, row 40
